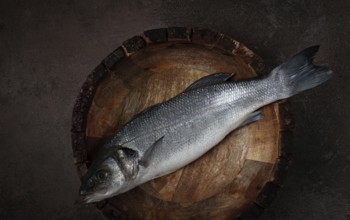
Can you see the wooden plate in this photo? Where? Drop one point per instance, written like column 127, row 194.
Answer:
column 236, row 179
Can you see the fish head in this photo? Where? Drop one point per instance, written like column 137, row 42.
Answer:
column 103, row 180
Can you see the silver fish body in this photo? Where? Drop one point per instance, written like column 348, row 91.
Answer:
column 191, row 123
column 172, row 134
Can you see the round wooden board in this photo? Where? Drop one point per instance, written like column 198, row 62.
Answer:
column 236, row 179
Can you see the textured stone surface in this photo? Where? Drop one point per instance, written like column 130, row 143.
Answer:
column 48, row 49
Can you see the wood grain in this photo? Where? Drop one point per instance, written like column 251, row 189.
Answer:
column 152, row 68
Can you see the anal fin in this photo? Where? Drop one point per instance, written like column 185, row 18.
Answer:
column 252, row 117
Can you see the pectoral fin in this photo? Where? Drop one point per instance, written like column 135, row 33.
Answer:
column 209, row 80
column 149, row 154
column 254, row 116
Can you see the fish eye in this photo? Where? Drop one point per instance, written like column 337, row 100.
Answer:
column 102, row 175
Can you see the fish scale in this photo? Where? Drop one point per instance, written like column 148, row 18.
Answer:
column 172, row 134
column 204, row 123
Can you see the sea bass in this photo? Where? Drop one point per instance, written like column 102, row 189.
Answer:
column 172, row 134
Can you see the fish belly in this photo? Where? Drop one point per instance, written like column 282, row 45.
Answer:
column 190, row 140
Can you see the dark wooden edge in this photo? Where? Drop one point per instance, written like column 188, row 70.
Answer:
column 179, row 34
column 112, row 59
column 156, row 35
column 133, row 45
column 209, row 38
column 271, row 188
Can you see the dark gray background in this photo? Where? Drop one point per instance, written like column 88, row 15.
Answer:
column 47, row 48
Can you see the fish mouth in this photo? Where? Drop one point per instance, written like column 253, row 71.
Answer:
column 89, row 198
column 84, row 197
column 80, row 200
column 84, row 200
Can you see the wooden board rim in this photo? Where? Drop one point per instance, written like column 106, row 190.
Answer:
column 209, row 39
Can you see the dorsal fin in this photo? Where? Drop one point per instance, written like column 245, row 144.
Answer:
column 204, row 81
column 209, row 80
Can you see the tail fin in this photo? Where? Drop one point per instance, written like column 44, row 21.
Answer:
column 299, row 73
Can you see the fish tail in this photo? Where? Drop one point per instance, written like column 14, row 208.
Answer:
column 299, row 73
